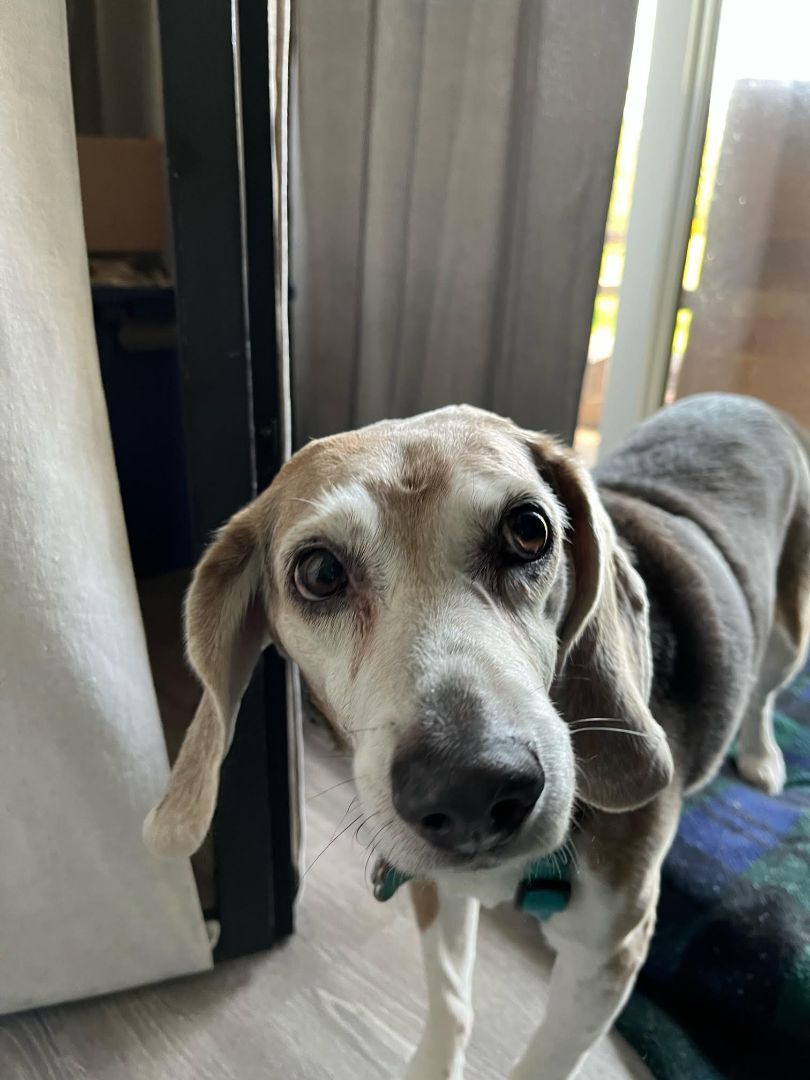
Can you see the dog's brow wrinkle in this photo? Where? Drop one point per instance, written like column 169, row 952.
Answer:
column 407, row 496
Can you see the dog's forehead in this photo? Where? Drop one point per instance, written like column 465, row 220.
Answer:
column 396, row 473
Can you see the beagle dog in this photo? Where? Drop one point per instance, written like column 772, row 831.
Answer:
column 524, row 660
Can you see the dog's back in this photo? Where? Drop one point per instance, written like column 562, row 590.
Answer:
column 713, row 497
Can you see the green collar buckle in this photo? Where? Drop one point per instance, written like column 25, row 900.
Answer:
column 544, row 889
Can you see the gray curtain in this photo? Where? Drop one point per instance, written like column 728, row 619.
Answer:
column 452, row 163
column 115, row 67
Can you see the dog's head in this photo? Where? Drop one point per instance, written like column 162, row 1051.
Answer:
column 453, row 593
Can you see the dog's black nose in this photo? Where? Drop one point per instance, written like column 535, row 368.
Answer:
column 465, row 806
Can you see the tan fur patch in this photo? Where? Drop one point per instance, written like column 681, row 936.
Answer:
column 236, row 549
column 406, row 501
column 316, row 468
column 630, row 955
column 620, row 848
column 425, row 898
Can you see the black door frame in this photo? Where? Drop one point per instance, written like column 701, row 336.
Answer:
column 219, row 142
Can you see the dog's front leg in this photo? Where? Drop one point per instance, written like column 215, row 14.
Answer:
column 589, row 985
column 448, row 927
column 602, row 937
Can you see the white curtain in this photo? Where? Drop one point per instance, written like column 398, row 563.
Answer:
column 83, row 907
column 452, row 166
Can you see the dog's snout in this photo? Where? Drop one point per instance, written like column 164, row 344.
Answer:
column 465, row 806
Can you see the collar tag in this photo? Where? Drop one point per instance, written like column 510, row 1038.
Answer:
column 546, row 886
column 386, row 880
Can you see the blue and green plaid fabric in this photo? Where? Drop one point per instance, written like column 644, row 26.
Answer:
column 725, row 991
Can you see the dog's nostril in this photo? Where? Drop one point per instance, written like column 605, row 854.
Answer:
column 436, row 822
column 507, row 815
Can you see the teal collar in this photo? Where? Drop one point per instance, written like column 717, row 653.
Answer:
column 544, row 889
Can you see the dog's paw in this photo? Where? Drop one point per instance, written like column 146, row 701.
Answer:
column 417, row 1071
column 764, row 770
column 523, row 1071
column 536, row 1066
column 425, row 1066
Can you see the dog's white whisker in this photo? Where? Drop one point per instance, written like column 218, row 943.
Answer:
column 615, row 730
column 332, row 787
column 598, row 720
column 352, row 804
column 332, row 841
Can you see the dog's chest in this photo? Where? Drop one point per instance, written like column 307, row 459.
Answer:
column 489, row 887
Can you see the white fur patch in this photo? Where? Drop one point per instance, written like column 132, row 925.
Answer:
column 346, row 515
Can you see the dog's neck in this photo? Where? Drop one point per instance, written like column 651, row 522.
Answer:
column 542, row 887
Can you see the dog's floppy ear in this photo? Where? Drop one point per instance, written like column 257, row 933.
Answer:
column 605, row 669
column 226, row 630
column 589, row 534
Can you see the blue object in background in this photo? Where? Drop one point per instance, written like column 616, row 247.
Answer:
column 725, row 991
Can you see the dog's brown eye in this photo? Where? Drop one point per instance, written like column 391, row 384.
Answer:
column 319, row 575
column 526, row 532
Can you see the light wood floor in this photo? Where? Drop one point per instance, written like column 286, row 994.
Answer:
column 342, row 1000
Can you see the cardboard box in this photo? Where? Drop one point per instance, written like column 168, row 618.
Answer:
column 123, row 194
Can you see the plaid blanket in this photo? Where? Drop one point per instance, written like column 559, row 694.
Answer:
column 725, row 991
